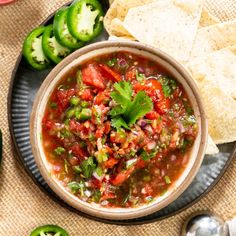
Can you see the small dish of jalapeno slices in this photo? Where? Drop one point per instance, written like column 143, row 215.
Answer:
column 71, row 29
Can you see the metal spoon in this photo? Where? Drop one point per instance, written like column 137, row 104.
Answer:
column 204, row 223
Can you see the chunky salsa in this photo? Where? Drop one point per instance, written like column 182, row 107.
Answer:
column 118, row 130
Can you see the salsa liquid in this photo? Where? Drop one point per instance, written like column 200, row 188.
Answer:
column 118, row 130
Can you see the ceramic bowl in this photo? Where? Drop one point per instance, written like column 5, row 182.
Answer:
column 174, row 69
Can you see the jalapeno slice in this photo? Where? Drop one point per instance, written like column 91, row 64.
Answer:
column 52, row 49
column 61, row 31
column 85, row 19
column 49, row 230
column 33, row 51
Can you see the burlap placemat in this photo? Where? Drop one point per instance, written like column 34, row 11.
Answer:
column 22, row 205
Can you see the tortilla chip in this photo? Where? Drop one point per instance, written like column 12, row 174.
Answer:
column 213, row 38
column 211, row 147
column 219, row 106
column 117, row 29
column 170, row 25
column 120, row 38
column 220, row 66
column 207, row 19
column 119, row 9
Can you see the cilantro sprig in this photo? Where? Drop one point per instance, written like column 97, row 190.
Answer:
column 128, row 109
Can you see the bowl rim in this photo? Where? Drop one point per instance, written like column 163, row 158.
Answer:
column 67, row 196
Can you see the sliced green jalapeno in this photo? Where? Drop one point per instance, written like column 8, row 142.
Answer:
column 85, row 19
column 49, row 230
column 33, row 51
column 52, row 49
column 61, row 31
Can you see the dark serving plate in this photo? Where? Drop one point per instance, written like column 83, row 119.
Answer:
column 25, row 83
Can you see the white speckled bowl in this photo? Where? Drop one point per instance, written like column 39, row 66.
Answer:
column 173, row 68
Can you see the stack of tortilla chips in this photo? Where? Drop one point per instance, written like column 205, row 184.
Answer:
column 205, row 46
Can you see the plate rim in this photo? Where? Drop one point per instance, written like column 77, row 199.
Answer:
column 20, row 160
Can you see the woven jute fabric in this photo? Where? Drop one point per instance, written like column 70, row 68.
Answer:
column 22, row 205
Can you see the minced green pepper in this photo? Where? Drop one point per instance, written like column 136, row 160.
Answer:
column 33, row 51
column 52, row 49
column 85, row 19
column 61, row 31
column 49, row 230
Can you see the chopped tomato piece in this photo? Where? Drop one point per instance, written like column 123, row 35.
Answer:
column 110, row 162
column 140, row 163
column 110, row 74
column 78, row 151
column 162, row 106
column 101, row 98
column 64, row 97
column 86, row 95
column 152, row 115
column 131, row 74
column 107, row 195
column 75, row 126
column 122, row 176
column 91, row 76
column 107, row 127
column 99, row 132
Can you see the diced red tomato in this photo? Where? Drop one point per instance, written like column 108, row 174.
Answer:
column 86, row 95
column 141, row 163
column 101, row 98
column 75, row 126
column 95, row 183
column 152, row 87
column 107, row 127
column 110, row 74
column 99, row 132
column 78, row 151
column 111, row 162
column 131, row 74
column 147, row 190
column 122, row 176
column 152, row 115
column 91, row 76
column 107, row 195
column 64, row 97
column 162, row 106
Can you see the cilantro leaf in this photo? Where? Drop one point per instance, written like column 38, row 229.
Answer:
column 88, row 166
column 75, row 187
column 127, row 111
column 141, row 105
column 118, row 122
column 118, row 110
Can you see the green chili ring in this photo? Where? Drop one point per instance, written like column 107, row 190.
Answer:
column 32, row 49
column 61, row 31
column 52, row 49
column 49, row 230
column 85, row 19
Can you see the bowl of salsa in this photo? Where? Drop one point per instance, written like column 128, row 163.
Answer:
column 118, row 130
